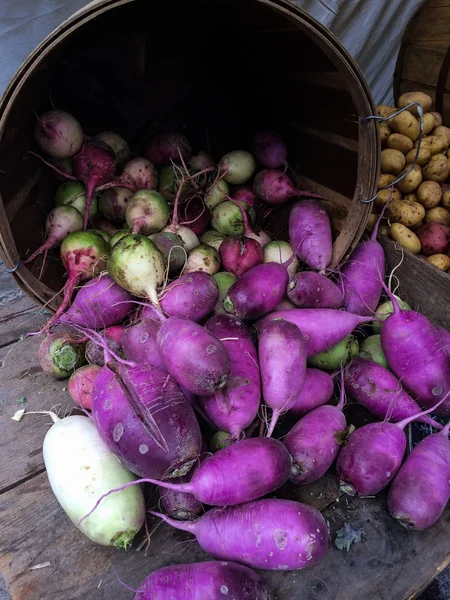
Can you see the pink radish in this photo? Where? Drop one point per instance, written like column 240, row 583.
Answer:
column 81, row 383
column 274, row 187
column 140, row 174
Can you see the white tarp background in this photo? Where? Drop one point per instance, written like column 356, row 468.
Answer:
column 370, row 30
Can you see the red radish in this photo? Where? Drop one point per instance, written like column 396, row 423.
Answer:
column 140, row 174
column 94, row 166
column 322, row 328
column 240, row 254
column 113, row 203
column 361, row 275
column 195, row 214
column 257, row 292
column 274, row 187
column 315, row 440
column 80, row 385
column 147, row 212
column 235, row 406
column 372, row 456
column 144, row 418
column 244, row 194
column 118, row 145
column 165, row 147
column 61, row 353
column 264, row 534
column 58, row 134
column 139, row 342
column 310, row 233
column 282, row 360
column 195, row 358
column 202, row 258
column 313, row 290
column 269, row 149
column 415, row 353
column 99, row 303
column 421, row 489
column 316, row 391
column 192, row 296
column 136, row 264
column 237, row 167
column 83, row 254
column 380, row 392
column 61, row 221
column 245, row 480
column 95, row 353
column 203, row 580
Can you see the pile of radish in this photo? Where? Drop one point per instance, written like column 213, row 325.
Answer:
column 205, row 355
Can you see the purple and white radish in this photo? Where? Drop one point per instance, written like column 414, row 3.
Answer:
column 58, row 134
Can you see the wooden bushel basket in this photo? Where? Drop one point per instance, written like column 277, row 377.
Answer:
column 216, row 70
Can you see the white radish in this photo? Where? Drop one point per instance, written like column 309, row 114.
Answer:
column 189, row 238
column 280, row 252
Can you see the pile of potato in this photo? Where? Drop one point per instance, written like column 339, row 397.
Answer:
column 418, row 216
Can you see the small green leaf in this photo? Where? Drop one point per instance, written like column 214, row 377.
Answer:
column 21, row 400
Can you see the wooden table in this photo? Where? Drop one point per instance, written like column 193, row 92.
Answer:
column 44, row 557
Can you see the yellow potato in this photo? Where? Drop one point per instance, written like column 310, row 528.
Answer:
column 439, row 214
column 440, row 155
column 392, row 161
column 385, row 132
column 385, row 179
column 406, row 212
column 411, row 181
column 429, row 194
column 428, row 122
column 418, row 225
column 409, row 97
column 405, row 237
column 446, row 199
column 433, row 143
column 405, row 123
column 384, row 195
column 411, row 196
column 401, row 142
column 436, row 170
column 437, row 119
column 384, row 230
column 443, row 133
column 385, row 111
column 441, row 261
column 422, row 159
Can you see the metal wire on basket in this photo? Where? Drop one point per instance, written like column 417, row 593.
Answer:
column 383, row 120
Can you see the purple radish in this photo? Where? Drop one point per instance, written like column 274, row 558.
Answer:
column 421, row 489
column 94, row 166
column 414, row 350
column 240, row 254
column 316, row 391
column 310, row 233
column 244, row 194
column 95, row 353
column 380, row 392
column 192, row 296
column 372, row 456
column 180, row 505
column 139, row 343
column 269, row 148
column 235, row 406
column 61, row 221
column 99, row 303
column 140, row 174
column 282, row 360
column 144, row 418
column 274, row 187
column 83, row 254
column 315, row 441
column 166, row 147
column 258, row 291
column 58, row 134
column 313, row 290
column 254, row 467
column 445, row 336
column 264, row 534
column 361, row 275
column 322, row 328
column 198, row 581
column 195, row 358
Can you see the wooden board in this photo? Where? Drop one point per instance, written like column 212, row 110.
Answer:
column 423, row 286
column 389, row 563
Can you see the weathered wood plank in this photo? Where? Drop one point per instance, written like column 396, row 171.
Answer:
column 390, row 562
column 423, row 286
column 18, row 317
column 20, row 443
